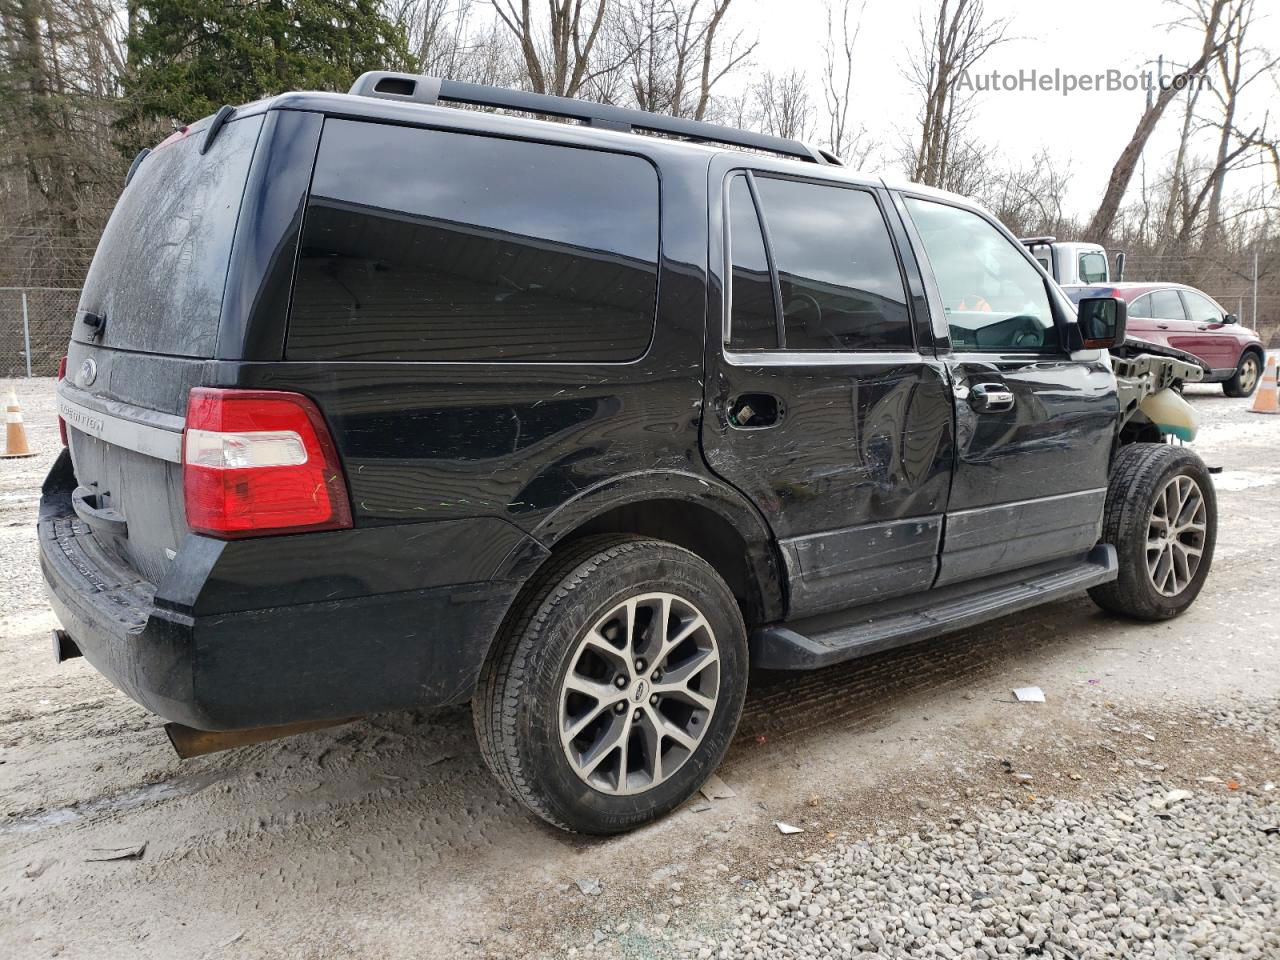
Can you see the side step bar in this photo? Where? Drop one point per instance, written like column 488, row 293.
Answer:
column 831, row 638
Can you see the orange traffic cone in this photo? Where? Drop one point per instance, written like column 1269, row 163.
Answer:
column 15, row 434
column 1266, row 399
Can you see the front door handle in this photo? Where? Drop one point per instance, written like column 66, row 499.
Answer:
column 991, row 397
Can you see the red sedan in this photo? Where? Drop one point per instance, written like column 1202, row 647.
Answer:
column 1188, row 319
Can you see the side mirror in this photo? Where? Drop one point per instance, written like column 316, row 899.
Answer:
column 1100, row 322
column 1230, row 318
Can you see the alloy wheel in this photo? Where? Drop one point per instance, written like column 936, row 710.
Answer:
column 1176, row 535
column 639, row 693
column 1248, row 374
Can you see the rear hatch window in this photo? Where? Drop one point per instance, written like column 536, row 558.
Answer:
column 158, row 275
column 157, row 279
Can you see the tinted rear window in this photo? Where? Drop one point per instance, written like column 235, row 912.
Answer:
column 754, row 323
column 161, row 266
column 429, row 245
column 837, row 271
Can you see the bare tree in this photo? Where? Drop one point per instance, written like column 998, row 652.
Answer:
column 439, row 33
column 676, row 52
column 557, row 52
column 1177, row 190
column 853, row 145
column 60, row 64
column 1239, row 64
column 718, row 60
column 948, row 47
column 449, row 42
column 782, row 103
column 1126, row 163
column 1029, row 199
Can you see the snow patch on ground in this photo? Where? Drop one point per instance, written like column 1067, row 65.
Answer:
column 1235, row 480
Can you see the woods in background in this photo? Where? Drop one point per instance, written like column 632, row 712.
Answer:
column 85, row 83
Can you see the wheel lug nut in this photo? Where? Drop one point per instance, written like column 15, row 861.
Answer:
column 639, row 665
column 636, row 715
column 657, row 676
column 619, row 681
column 620, row 708
column 654, row 700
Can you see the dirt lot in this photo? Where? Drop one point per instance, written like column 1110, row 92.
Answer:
column 386, row 838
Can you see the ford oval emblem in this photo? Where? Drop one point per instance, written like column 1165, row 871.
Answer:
column 88, row 373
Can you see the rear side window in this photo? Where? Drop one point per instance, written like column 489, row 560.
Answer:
column 837, row 271
column 1141, row 308
column 428, row 245
column 755, row 318
column 161, row 265
column 1167, row 305
column 837, row 275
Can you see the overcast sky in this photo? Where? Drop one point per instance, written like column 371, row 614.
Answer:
column 1089, row 129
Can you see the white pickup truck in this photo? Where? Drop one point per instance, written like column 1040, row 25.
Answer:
column 1074, row 263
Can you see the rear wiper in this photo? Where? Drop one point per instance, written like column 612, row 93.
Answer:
column 96, row 323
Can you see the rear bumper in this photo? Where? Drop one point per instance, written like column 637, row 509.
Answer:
column 181, row 651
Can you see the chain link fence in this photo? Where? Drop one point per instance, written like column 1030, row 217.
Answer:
column 35, row 324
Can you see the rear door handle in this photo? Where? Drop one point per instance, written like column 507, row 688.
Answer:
column 991, row 397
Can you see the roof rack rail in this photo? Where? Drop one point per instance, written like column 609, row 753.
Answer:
column 416, row 88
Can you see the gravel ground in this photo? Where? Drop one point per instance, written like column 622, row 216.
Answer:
column 1151, row 871
column 923, row 790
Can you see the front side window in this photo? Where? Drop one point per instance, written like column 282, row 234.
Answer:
column 438, row 246
column 1166, row 305
column 1140, row 308
column 994, row 299
column 839, row 286
column 1093, row 268
column 1200, row 308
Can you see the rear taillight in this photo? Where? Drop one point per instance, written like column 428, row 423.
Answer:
column 259, row 461
column 62, row 424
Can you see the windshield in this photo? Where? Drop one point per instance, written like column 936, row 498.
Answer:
column 159, row 271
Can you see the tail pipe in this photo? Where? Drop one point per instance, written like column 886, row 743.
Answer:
column 64, row 648
column 189, row 742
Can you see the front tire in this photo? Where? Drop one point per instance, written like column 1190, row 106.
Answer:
column 615, row 685
column 1161, row 515
column 1247, row 376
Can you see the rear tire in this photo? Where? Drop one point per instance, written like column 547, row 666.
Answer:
column 1161, row 515
column 615, row 684
column 1247, row 376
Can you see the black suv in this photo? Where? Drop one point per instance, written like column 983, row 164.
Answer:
column 373, row 404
